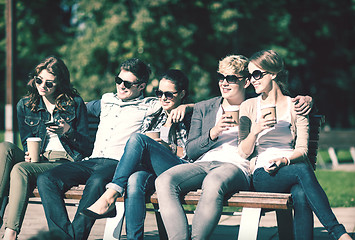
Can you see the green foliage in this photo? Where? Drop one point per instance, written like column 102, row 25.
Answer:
column 94, row 37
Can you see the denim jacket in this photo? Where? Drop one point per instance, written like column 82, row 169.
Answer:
column 75, row 142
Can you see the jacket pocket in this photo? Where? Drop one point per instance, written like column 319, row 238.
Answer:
column 33, row 123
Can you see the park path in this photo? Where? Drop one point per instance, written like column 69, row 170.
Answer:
column 35, row 221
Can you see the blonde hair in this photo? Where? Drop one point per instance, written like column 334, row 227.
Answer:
column 234, row 64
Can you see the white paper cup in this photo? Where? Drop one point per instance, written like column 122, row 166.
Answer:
column 270, row 111
column 33, row 146
column 153, row 134
column 234, row 112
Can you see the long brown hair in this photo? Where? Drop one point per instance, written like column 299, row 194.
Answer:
column 64, row 93
column 272, row 62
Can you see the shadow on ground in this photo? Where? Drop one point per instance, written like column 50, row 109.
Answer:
column 230, row 232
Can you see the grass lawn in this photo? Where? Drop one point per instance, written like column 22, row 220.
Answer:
column 339, row 187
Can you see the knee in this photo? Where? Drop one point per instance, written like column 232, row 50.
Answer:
column 7, row 148
column 140, row 183
column 163, row 182
column 134, row 139
column 19, row 172
column 213, row 185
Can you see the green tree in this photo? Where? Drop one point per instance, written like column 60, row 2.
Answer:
column 42, row 28
column 188, row 35
column 94, row 37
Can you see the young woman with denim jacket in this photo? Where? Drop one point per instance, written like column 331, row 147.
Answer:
column 50, row 98
column 280, row 147
column 145, row 158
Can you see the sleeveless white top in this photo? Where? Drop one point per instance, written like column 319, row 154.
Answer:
column 275, row 142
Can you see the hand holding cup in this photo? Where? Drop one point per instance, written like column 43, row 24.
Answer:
column 34, row 147
column 233, row 112
column 268, row 112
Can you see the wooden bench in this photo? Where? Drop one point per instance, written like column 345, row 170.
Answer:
column 253, row 204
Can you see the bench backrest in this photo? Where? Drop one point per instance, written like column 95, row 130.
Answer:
column 315, row 123
column 343, row 139
column 93, row 125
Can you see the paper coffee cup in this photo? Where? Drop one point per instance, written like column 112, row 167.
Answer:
column 234, row 112
column 33, row 146
column 153, row 134
column 270, row 111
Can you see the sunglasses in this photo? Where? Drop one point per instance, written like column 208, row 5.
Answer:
column 39, row 81
column 257, row 74
column 231, row 79
column 168, row 95
column 126, row 84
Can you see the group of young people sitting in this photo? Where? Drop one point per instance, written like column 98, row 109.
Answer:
column 198, row 148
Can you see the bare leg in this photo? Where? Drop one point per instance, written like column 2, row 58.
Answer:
column 345, row 236
column 105, row 203
column 10, row 234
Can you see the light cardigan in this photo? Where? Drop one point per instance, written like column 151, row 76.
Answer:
column 299, row 128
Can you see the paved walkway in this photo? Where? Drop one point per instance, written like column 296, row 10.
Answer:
column 227, row 228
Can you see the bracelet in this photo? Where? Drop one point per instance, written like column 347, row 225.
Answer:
column 288, row 160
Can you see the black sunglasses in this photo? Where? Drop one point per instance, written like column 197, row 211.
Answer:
column 257, row 74
column 39, row 81
column 126, row 84
column 231, row 79
column 168, row 95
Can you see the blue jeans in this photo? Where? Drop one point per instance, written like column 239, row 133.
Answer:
column 95, row 173
column 139, row 183
column 217, row 180
column 142, row 161
column 142, row 153
column 302, row 177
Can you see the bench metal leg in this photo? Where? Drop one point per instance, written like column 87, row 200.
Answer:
column 352, row 153
column 249, row 223
column 333, row 157
column 113, row 226
column 285, row 224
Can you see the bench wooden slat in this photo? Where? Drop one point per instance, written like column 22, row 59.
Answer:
column 243, row 199
column 75, row 192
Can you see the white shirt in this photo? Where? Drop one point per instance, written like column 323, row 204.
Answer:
column 275, row 142
column 118, row 120
column 226, row 148
column 54, row 143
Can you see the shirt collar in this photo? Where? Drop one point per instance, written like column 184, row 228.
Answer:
column 41, row 105
column 140, row 97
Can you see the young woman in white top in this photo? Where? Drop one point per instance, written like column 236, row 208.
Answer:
column 280, row 147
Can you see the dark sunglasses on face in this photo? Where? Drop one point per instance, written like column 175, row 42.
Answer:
column 126, row 84
column 231, row 79
column 168, row 95
column 39, row 81
column 257, row 74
